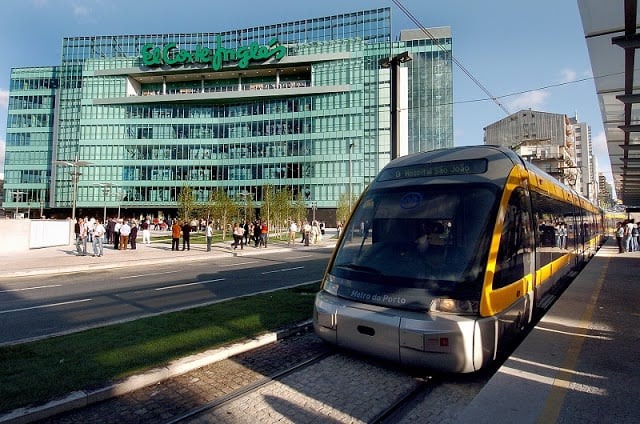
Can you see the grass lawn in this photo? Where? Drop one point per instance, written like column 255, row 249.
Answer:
column 39, row 371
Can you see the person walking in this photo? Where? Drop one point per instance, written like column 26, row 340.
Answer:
column 209, row 232
column 98, row 238
column 238, row 236
column 186, row 230
column 175, row 235
column 264, row 234
column 293, row 229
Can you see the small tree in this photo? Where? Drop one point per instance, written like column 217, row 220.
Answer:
column 343, row 212
column 186, row 203
column 222, row 208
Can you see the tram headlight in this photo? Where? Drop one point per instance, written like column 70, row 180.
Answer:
column 455, row 306
column 330, row 285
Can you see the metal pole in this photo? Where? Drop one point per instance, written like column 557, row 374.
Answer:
column 74, row 178
column 350, row 172
column 104, row 213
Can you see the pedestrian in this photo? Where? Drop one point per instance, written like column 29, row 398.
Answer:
column 125, row 230
column 209, row 231
column 620, row 236
column 133, row 235
column 257, row 233
column 238, row 236
column 264, row 234
column 175, row 235
column 116, row 234
column 146, row 232
column 81, row 237
column 306, row 232
column 98, row 238
column 293, row 229
column 110, row 226
column 186, row 230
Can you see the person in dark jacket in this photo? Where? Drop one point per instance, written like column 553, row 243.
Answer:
column 186, row 229
column 133, row 235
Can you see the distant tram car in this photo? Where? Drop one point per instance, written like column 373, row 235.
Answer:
column 449, row 254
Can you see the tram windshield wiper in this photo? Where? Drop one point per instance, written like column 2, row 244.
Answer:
column 361, row 268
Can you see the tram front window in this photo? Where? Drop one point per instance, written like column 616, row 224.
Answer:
column 415, row 244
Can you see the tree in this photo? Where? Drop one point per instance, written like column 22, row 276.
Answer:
column 299, row 211
column 186, row 203
column 222, row 208
column 343, row 213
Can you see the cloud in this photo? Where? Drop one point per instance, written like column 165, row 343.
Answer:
column 568, row 75
column 532, row 99
column 4, row 98
column 81, row 11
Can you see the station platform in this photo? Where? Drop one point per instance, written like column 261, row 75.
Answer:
column 581, row 362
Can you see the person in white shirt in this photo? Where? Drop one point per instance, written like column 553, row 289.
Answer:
column 125, row 230
column 293, row 229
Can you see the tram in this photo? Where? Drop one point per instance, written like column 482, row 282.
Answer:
column 449, row 254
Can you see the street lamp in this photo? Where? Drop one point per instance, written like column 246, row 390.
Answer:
column 120, row 195
column 18, row 195
column 106, row 188
column 314, row 206
column 350, row 173
column 244, row 194
column 394, row 64
column 75, row 174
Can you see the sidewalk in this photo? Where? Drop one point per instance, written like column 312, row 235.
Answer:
column 63, row 259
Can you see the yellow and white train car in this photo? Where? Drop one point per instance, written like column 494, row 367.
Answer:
column 449, row 254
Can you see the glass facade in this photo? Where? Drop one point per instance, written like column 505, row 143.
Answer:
column 302, row 105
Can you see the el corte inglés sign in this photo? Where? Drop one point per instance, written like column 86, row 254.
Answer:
column 171, row 55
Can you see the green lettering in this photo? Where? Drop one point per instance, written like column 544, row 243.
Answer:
column 170, row 54
column 167, row 57
column 150, row 55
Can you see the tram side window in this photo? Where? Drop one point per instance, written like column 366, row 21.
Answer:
column 515, row 242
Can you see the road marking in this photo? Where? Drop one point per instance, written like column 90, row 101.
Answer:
column 29, row 288
column 177, row 286
column 148, row 275
column 51, row 305
column 282, row 270
column 299, row 257
column 238, row 263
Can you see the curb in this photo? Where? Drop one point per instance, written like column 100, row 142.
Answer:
column 81, row 399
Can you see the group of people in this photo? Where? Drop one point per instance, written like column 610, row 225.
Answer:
column 311, row 233
column 89, row 231
column 122, row 233
column 627, row 236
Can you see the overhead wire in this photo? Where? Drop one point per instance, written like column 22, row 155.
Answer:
column 453, row 59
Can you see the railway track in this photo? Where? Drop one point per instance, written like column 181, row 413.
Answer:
column 299, row 379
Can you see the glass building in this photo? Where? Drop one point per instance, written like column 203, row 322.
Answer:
column 128, row 121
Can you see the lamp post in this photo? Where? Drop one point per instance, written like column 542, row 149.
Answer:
column 120, row 195
column 394, row 63
column 18, row 195
column 75, row 174
column 106, row 188
column 314, row 206
column 244, row 194
column 350, row 173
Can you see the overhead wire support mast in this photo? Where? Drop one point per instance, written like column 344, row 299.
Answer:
column 453, row 59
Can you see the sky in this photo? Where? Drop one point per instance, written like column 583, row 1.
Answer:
column 527, row 54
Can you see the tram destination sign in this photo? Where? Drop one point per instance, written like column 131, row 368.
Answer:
column 171, row 55
column 439, row 169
